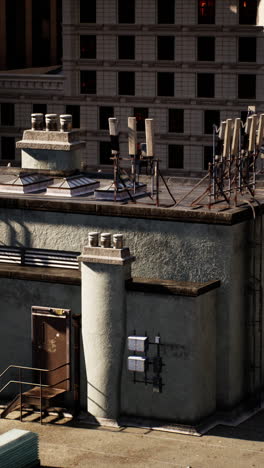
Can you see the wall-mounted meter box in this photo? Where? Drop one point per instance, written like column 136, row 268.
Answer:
column 137, row 343
column 137, row 364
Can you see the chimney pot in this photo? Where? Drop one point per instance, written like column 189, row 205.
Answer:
column 51, row 122
column 118, row 241
column 37, row 122
column 66, row 123
column 105, row 240
column 93, row 239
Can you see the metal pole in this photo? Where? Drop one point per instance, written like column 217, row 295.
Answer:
column 40, row 383
column 157, row 182
column 20, row 390
column 76, row 385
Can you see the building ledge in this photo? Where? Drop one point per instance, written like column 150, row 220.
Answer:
column 47, row 275
column 168, row 287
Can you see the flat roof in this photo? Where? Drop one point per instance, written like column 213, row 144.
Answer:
column 144, row 207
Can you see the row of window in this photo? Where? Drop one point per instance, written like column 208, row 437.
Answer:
column 7, row 113
column 175, row 153
column 175, row 117
column 205, row 84
column 247, row 47
column 126, row 11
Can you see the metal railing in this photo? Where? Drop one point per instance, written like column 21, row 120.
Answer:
column 40, row 383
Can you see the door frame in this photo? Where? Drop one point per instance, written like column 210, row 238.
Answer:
column 59, row 313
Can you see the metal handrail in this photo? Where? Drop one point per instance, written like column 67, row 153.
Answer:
column 33, row 368
column 40, row 384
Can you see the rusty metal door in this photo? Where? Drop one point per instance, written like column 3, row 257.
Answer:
column 51, row 345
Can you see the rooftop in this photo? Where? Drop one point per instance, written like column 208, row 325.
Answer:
column 184, row 191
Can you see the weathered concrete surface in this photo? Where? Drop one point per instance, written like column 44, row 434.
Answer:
column 61, row 158
column 104, row 327
column 71, row 447
column 187, row 327
column 164, row 249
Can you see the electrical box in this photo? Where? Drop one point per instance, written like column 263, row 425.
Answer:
column 137, row 364
column 137, row 343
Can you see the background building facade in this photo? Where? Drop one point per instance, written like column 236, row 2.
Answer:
column 188, row 65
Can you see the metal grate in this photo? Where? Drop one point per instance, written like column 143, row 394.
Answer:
column 39, row 257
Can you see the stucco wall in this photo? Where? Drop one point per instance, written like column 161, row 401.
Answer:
column 187, row 329
column 166, row 250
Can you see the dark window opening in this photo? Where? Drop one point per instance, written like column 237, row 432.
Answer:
column 165, row 84
column 205, row 85
column 166, row 12
column 41, row 34
column 105, row 152
column 8, row 148
column 176, row 120
column 15, row 34
column 176, row 156
column 74, row 110
column 88, row 82
column 88, row 47
column 244, row 116
column 206, row 11
column 87, row 11
column 246, row 86
column 39, row 108
column 105, row 113
column 248, row 11
column 8, row 114
column 247, row 49
column 208, row 157
column 126, row 47
column 126, row 11
column 211, row 118
column 141, row 113
column 126, row 83
column 206, row 49
column 165, row 47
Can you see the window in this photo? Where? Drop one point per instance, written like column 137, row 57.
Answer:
column 88, row 47
column 105, row 152
column 165, row 46
column 248, row 11
column 88, row 82
column 7, row 114
column 87, row 11
column 105, row 113
column 211, row 117
column 205, row 85
column 165, row 84
column 208, row 157
column 176, row 156
column 176, row 120
column 126, row 47
column 246, row 86
column 40, row 109
column 166, row 12
column 141, row 113
column 206, row 49
column 126, row 11
column 126, row 83
column 206, row 11
column 247, row 49
column 75, row 112
column 8, row 148
column 244, row 116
